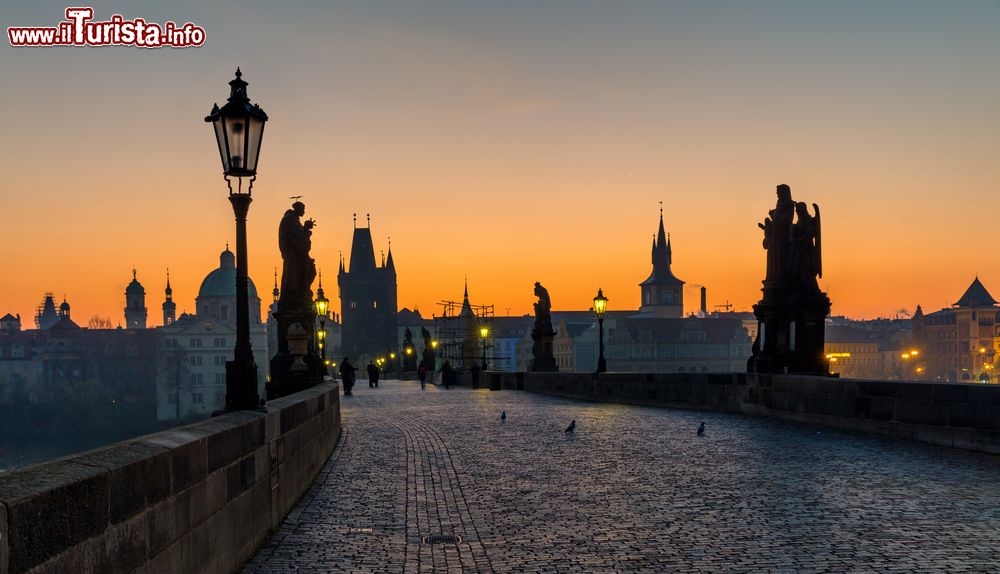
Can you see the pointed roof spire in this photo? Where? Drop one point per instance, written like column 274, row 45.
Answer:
column 275, row 292
column 662, row 257
column 466, row 306
column 976, row 296
column 355, row 221
column 168, row 291
column 389, row 264
column 368, row 217
column 341, row 271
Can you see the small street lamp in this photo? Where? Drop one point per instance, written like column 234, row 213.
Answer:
column 600, row 306
column 322, row 305
column 239, row 129
column 484, row 332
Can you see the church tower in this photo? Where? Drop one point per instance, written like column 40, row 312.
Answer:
column 367, row 300
column 135, row 304
column 169, row 307
column 662, row 293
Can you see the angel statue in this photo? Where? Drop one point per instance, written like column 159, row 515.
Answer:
column 807, row 260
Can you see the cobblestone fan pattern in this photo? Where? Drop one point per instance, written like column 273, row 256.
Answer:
column 433, row 481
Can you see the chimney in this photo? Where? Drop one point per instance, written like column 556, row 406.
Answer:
column 704, row 309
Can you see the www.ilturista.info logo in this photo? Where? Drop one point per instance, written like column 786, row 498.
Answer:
column 79, row 30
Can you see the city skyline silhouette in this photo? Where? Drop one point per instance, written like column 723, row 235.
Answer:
column 508, row 145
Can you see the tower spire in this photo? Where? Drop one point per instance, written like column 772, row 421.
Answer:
column 168, row 291
column 275, row 292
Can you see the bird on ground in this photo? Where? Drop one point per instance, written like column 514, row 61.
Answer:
column 701, row 428
column 503, row 416
column 571, row 427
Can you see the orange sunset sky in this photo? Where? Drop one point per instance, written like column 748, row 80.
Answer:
column 512, row 142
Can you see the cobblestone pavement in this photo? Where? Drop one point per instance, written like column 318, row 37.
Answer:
column 632, row 490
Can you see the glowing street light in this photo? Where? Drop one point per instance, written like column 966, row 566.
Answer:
column 600, row 307
column 484, row 332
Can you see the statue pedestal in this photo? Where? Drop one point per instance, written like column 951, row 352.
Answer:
column 791, row 332
column 285, row 379
column 543, row 359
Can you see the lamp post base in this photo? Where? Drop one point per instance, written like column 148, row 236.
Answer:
column 241, row 385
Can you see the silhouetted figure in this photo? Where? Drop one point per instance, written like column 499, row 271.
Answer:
column 806, row 249
column 347, row 375
column 298, row 269
column 571, row 427
column 701, row 428
column 422, row 374
column 503, row 416
column 475, row 370
column 446, row 374
column 542, row 333
column 372, row 375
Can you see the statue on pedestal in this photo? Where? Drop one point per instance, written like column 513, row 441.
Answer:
column 793, row 310
column 542, row 334
column 295, row 309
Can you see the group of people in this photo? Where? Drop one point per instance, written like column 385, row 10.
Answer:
column 448, row 375
column 348, row 375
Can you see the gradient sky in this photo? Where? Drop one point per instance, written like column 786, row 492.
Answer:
column 511, row 142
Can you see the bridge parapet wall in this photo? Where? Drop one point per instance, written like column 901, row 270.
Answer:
column 958, row 415
column 197, row 498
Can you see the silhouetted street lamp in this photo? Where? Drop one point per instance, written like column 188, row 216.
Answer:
column 239, row 129
column 600, row 306
column 322, row 306
column 484, row 332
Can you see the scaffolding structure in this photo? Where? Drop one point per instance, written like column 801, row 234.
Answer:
column 458, row 334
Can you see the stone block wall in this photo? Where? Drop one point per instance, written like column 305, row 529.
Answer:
column 195, row 499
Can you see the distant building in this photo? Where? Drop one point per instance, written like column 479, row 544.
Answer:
column 10, row 323
column 135, row 305
column 871, row 350
column 678, row 345
column 960, row 343
column 193, row 350
column 662, row 292
column 46, row 314
column 367, row 302
column 169, row 307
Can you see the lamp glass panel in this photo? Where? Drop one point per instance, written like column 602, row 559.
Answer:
column 255, row 132
column 220, row 138
column 236, row 133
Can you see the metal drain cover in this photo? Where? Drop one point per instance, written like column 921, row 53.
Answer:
column 441, row 539
column 360, row 530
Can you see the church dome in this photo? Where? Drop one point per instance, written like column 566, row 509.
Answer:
column 221, row 282
column 134, row 288
column 64, row 307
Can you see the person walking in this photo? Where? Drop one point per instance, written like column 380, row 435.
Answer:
column 422, row 373
column 372, row 375
column 475, row 370
column 446, row 374
column 347, row 375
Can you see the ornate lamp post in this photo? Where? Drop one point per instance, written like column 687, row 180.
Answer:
column 600, row 306
column 239, row 129
column 484, row 332
column 322, row 305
